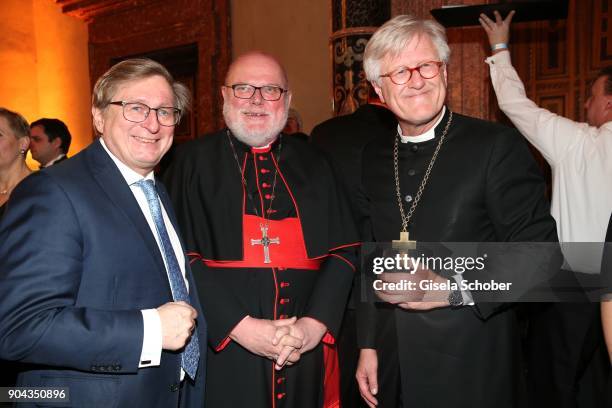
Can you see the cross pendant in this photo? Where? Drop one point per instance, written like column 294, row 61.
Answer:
column 265, row 242
column 404, row 242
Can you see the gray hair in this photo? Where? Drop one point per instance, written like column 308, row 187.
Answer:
column 17, row 123
column 136, row 69
column 391, row 38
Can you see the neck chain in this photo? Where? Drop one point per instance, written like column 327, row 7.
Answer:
column 244, row 184
column 406, row 217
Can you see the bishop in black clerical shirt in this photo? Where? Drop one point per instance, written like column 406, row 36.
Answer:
column 458, row 179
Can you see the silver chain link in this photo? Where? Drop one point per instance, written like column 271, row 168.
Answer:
column 406, row 218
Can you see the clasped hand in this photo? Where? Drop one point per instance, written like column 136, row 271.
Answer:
column 412, row 290
column 282, row 341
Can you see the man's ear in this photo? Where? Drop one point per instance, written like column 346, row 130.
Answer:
column 224, row 93
column 98, row 119
column 56, row 143
column 378, row 91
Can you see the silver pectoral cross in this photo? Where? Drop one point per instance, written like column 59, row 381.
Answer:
column 404, row 242
column 265, row 242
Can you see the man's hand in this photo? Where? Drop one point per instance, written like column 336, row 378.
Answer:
column 367, row 376
column 178, row 320
column 498, row 31
column 310, row 331
column 414, row 298
column 264, row 337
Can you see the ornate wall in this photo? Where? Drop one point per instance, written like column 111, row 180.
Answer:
column 353, row 23
column 556, row 59
column 43, row 65
column 190, row 37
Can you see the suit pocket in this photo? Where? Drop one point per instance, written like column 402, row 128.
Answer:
column 87, row 391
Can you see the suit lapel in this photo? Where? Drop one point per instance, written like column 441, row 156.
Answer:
column 108, row 176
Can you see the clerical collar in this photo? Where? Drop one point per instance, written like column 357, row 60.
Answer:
column 262, row 149
column 429, row 135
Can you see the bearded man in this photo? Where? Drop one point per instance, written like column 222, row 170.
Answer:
column 271, row 243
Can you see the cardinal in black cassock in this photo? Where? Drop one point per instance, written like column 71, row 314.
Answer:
column 269, row 237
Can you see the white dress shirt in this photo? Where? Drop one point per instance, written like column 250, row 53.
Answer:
column 580, row 157
column 52, row 162
column 152, row 339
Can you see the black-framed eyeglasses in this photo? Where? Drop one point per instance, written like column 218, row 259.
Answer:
column 426, row 70
column 267, row 92
column 139, row 112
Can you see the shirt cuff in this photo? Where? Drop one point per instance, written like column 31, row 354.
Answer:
column 465, row 294
column 152, row 339
column 501, row 58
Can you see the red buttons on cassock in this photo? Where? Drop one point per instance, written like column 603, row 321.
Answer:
column 280, row 380
column 268, row 196
column 284, row 300
column 265, row 185
column 283, row 316
column 284, row 284
column 262, row 158
column 264, row 171
column 280, row 395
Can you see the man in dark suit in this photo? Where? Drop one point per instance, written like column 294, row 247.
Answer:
column 95, row 293
column 50, row 141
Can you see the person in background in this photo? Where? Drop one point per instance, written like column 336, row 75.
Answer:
column 50, row 141
column 564, row 337
column 14, row 142
column 295, row 125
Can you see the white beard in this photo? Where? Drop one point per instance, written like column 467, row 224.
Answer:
column 250, row 137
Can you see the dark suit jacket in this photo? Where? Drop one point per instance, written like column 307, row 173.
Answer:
column 344, row 137
column 78, row 262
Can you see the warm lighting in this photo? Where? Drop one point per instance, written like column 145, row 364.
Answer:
column 45, row 68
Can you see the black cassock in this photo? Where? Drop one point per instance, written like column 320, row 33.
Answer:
column 205, row 185
column 484, row 187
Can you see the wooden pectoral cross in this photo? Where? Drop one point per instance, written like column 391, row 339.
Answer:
column 265, row 242
column 404, row 242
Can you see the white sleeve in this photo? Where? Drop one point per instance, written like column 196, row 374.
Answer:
column 152, row 339
column 551, row 134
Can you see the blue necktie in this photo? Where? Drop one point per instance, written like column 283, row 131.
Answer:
column 191, row 354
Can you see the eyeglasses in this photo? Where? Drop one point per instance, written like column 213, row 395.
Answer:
column 267, row 92
column 426, row 70
column 139, row 112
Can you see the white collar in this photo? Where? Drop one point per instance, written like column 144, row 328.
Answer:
column 54, row 160
column 128, row 174
column 429, row 135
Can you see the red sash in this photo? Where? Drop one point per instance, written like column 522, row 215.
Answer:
column 290, row 252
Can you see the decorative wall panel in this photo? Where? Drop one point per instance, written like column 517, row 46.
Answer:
column 353, row 22
column 190, row 37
